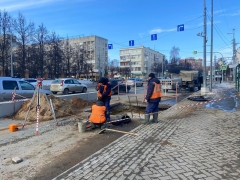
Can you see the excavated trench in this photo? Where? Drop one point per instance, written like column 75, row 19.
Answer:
column 133, row 109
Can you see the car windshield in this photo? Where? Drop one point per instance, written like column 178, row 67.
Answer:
column 57, row 81
column 113, row 83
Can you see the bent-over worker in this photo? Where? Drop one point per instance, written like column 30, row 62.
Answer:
column 98, row 114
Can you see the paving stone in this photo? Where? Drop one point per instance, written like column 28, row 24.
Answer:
column 200, row 146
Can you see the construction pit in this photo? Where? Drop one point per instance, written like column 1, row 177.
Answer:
column 58, row 148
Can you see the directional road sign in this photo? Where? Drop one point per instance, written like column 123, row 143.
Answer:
column 110, row 46
column 224, row 67
column 180, row 27
column 154, row 37
column 195, row 52
column 131, row 43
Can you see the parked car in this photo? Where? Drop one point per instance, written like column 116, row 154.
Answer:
column 30, row 80
column 122, row 87
column 66, row 85
column 23, row 88
column 132, row 81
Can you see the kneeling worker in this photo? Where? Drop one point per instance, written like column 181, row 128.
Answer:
column 98, row 115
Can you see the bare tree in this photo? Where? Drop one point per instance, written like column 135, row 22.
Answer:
column 174, row 55
column 125, row 71
column 55, row 55
column 5, row 37
column 41, row 37
column 24, row 31
column 113, row 66
column 157, row 68
column 68, row 55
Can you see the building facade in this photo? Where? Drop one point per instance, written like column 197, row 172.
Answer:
column 139, row 60
column 195, row 64
column 95, row 49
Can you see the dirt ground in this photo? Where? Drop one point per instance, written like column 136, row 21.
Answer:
column 80, row 151
column 56, row 148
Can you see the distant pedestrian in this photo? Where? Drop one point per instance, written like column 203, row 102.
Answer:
column 153, row 98
column 220, row 79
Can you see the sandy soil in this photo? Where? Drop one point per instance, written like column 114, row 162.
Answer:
column 56, row 148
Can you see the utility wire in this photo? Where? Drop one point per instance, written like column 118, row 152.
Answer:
column 218, row 31
column 159, row 33
column 224, row 15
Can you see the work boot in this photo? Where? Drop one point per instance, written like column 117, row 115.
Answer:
column 155, row 118
column 146, row 119
column 93, row 126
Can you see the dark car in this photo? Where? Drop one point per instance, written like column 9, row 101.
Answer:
column 122, row 87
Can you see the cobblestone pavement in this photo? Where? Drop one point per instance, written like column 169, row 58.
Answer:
column 188, row 143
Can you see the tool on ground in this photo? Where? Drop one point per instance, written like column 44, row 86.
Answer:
column 37, row 93
column 113, row 130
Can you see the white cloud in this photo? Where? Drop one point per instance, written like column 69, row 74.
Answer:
column 12, row 5
column 209, row 23
column 234, row 14
column 219, row 11
column 159, row 30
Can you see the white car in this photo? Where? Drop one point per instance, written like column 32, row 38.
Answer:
column 66, row 85
column 23, row 89
column 132, row 81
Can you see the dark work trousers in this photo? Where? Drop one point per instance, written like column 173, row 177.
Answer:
column 152, row 107
column 107, row 105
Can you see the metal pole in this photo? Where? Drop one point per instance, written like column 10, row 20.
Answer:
column 211, row 55
column 11, row 58
column 130, row 63
column 162, row 66
column 234, row 56
column 99, row 73
column 204, row 45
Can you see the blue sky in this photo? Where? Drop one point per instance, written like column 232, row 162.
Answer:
column 122, row 20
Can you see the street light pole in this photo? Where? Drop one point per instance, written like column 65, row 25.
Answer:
column 204, row 46
column 130, row 63
column 211, row 55
column 162, row 65
column 11, row 58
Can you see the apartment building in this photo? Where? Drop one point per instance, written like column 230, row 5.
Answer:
column 95, row 48
column 140, row 60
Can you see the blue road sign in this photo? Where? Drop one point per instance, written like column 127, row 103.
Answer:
column 110, row 46
column 180, row 27
column 131, row 43
column 154, row 37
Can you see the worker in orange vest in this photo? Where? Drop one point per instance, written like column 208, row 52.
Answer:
column 153, row 98
column 105, row 93
column 98, row 114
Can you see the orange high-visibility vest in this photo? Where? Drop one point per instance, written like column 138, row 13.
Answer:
column 98, row 114
column 105, row 89
column 157, row 93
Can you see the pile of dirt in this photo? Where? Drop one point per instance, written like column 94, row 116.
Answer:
column 62, row 108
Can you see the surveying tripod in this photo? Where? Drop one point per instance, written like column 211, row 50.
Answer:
column 38, row 107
